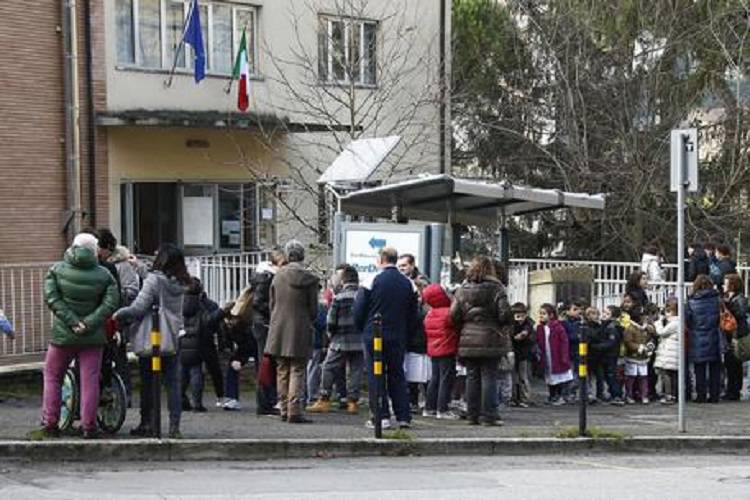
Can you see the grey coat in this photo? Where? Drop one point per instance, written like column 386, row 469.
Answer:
column 168, row 293
column 294, row 308
column 130, row 283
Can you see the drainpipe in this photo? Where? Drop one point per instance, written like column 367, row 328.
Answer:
column 443, row 84
column 91, row 112
column 72, row 115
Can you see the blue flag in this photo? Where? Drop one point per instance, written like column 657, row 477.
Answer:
column 194, row 37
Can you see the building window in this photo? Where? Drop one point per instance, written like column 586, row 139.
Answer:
column 347, row 51
column 150, row 31
column 203, row 217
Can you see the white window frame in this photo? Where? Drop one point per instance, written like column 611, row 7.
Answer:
column 166, row 62
column 348, row 24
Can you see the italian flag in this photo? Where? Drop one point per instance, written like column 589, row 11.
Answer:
column 240, row 73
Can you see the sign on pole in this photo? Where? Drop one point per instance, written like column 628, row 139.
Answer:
column 687, row 138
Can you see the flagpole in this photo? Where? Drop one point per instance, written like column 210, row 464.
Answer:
column 180, row 47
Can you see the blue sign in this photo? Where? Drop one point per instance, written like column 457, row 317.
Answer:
column 376, row 243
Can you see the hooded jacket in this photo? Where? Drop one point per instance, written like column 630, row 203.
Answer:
column 344, row 334
column 260, row 282
column 165, row 291
column 294, row 308
column 651, row 265
column 482, row 313
column 706, row 342
column 77, row 290
column 442, row 337
column 668, row 351
column 201, row 317
column 130, row 283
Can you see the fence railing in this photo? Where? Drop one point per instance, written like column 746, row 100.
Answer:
column 22, row 300
column 225, row 276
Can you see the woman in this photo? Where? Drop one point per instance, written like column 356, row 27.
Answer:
column 651, row 263
column 480, row 312
column 636, row 288
column 164, row 287
column 81, row 294
column 736, row 304
column 705, row 339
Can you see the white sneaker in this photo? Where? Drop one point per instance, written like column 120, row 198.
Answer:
column 429, row 414
column 232, row 405
column 384, row 424
column 448, row 415
column 220, row 402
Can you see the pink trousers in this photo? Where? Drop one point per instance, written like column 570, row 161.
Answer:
column 55, row 363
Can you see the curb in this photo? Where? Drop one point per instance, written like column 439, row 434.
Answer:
column 276, row 449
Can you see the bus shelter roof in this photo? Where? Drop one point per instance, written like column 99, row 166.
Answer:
column 447, row 199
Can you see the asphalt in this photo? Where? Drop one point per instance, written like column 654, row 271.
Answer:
column 621, row 476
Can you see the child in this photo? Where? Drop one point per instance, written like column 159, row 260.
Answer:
column 555, row 350
column 609, row 349
column 524, row 342
column 345, row 346
column 668, row 351
column 442, row 347
column 592, row 332
column 638, row 350
column 572, row 325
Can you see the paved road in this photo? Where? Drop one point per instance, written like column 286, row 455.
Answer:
column 558, row 478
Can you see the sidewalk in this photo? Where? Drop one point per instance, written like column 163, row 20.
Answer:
column 18, row 416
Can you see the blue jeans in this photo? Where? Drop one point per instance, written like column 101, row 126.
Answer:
column 392, row 383
column 314, row 375
column 232, row 381
column 441, row 384
column 170, row 366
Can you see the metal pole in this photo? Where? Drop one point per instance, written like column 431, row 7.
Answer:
column 377, row 371
column 681, row 282
column 156, row 370
column 583, row 349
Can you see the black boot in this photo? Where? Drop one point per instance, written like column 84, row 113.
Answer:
column 174, row 431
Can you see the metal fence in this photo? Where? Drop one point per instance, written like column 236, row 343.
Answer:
column 225, row 276
column 22, row 300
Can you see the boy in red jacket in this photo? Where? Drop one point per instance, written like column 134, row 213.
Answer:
column 442, row 347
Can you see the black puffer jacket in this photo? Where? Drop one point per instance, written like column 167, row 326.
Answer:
column 698, row 264
column 482, row 315
column 201, row 317
column 260, row 282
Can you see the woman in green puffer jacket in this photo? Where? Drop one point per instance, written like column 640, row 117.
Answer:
column 81, row 294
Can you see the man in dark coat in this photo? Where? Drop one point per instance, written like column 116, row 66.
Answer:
column 391, row 295
column 698, row 262
column 294, row 309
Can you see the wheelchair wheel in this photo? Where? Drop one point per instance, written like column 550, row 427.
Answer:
column 69, row 398
column 113, row 405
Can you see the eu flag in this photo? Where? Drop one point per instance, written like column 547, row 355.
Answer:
column 194, row 37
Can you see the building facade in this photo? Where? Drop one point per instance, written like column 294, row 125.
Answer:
column 162, row 158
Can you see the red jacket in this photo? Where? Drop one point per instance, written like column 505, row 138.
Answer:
column 442, row 337
column 558, row 341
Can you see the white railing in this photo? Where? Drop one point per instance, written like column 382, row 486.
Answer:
column 22, row 300
column 225, row 276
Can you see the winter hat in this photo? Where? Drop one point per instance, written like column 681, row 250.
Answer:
column 88, row 241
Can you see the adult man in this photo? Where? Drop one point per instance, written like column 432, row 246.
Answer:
column 391, row 295
column 408, row 267
column 294, row 308
column 416, row 344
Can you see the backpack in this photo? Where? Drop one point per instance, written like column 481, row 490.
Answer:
column 714, row 272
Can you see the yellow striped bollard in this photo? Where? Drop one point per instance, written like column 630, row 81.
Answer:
column 377, row 371
column 583, row 351
column 156, row 371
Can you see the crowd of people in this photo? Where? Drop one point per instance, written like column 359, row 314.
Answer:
column 449, row 353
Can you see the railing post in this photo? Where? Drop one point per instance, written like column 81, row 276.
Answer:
column 377, row 371
column 156, row 370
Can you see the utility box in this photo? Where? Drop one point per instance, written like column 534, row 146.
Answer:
column 561, row 284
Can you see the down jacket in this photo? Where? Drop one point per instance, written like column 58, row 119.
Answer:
column 482, row 314
column 737, row 305
column 442, row 338
column 706, row 342
column 79, row 289
column 668, row 352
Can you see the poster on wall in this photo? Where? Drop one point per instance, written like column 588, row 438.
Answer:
column 198, row 220
column 363, row 242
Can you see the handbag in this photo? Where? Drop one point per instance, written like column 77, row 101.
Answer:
column 727, row 321
column 142, row 346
